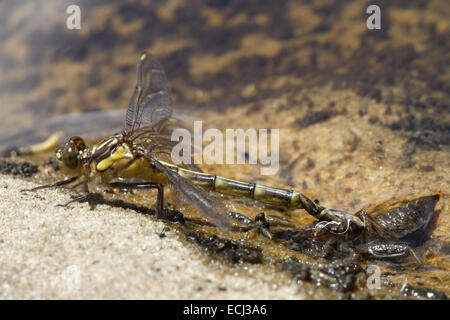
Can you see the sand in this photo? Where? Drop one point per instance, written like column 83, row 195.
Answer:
column 50, row 252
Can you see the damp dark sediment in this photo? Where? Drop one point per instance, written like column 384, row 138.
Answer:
column 338, row 276
column 230, row 250
column 24, row 169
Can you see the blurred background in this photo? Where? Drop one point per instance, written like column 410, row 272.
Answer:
column 222, row 53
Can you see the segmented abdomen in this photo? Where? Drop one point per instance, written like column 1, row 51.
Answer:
column 261, row 193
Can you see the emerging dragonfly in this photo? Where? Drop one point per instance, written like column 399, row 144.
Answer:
column 139, row 157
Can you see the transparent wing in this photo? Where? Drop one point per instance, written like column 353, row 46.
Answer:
column 211, row 208
column 150, row 103
column 158, row 141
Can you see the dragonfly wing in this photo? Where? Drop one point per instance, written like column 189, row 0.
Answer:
column 162, row 150
column 150, row 102
column 158, row 141
column 211, row 208
column 156, row 108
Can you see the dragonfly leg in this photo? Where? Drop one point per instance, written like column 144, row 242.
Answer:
column 277, row 221
column 62, row 183
column 75, row 185
column 51, row 185
column 145, row 185
column 78, row 198
column 259, row 225
column 263, row 225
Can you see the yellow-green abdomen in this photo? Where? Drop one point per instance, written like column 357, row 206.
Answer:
column 264, row 194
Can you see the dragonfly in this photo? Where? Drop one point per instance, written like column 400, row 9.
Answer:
column 139, row 157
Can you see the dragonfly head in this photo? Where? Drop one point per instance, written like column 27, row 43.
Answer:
column 69, row 155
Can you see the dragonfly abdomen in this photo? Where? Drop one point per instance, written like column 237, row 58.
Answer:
column 261, row 193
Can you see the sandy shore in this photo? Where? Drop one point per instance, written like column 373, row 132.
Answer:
column 50, row 252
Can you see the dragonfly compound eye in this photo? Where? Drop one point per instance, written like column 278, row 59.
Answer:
column 78, row 142
column 69, row 156
column 70, row 152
